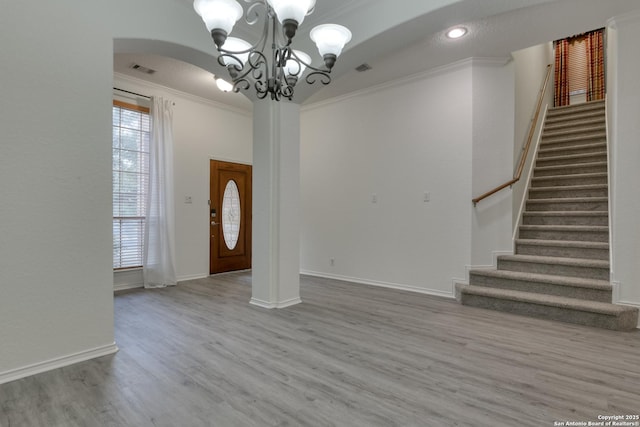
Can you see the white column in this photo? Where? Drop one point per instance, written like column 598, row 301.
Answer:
column 276, row 197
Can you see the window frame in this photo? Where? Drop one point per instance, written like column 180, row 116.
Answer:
column 143, row 187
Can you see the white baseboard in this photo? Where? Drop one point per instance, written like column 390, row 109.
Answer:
column 397, row 286
column 493, row 266
column 59, row 362
column 191, row 277
column 125, row 286
column 270, row 305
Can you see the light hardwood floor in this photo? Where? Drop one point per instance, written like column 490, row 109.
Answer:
column 349, row 355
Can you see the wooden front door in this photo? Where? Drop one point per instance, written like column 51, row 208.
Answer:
column 230, row 217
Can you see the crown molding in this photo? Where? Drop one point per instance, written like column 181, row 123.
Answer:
column 155, row 87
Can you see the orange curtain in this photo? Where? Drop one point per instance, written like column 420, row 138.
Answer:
column 561, row 84
column 595, row 59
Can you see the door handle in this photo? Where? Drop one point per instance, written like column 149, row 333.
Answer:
column 215, row 223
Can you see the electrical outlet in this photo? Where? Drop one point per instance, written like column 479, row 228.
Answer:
column 332, row 262
column 188, row 200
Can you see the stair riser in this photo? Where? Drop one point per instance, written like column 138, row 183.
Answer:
column 563, row 142
column 626, row 321
column 570, row 170
column 554, row 269
column 534, row 206
column 569, row 151
column 562, row 252
column 567, row 193
column 573, row 132
column 563, row 161
column 568, row 180
column 579, row 236
column 577, row 111
column 565, row 220
column 541, row 288
column 580, row 122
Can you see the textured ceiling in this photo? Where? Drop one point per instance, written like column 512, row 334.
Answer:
column 401, row 42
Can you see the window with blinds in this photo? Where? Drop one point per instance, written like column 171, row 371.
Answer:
column 131, row 129
column 578, row 66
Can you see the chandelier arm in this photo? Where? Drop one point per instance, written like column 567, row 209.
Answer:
column 252, row 15
column 242, row 84
column 323, row 76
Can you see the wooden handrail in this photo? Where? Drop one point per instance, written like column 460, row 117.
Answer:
column 525, row 152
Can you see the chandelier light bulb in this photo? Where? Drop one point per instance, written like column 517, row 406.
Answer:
column 237, row 48
column 269, row 65
column 296, row 68
column 218, row 14
column 330, row 39
column 294, row 10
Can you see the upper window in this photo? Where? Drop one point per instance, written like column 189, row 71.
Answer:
column 131, row 129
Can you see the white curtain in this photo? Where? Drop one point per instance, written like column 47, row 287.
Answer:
column 159, row 239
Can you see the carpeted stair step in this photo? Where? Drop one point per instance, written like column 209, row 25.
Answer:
column 556, row 266
column 568, row 204
column 573, row 179
column 582, row 233
column 581, row 121
column 574, row 132
column 563, row 248
column 595, row 167
column 571, row 310
column 570, row 287
column 569, row 191
column 597, row 114
column 593, row 147
column 568, row 141
column 568, row 111
column 566, row 218
column 572, row 159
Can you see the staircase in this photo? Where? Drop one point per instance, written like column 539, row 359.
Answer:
column 560, row 269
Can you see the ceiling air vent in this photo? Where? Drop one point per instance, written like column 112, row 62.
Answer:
column 364, row 67
column 142, row 69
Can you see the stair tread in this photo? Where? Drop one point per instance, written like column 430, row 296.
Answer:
column 577, row 282
column 540, row 259
column 569, row 109
column 550, row 300
column 570, row 177
column 573, row 147
column 581, row 199
column 566, row 227
column 572, row 156
column 564, row 138
column 571, row 187
column 566, row 213
column 576, row 165
column 578, row 121
column 564, row 243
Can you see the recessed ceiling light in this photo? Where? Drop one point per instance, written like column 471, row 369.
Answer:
column 456, row 33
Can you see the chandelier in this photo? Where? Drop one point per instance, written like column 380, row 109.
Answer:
column 277, row 71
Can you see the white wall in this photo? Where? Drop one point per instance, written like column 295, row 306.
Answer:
column 396, row 142
column 203, row 130
column 56, row 273
column 56, row 299
column 530, row 68
column 493, row 121
column 623, row 93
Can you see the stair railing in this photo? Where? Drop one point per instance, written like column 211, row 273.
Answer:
column 525, row 151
